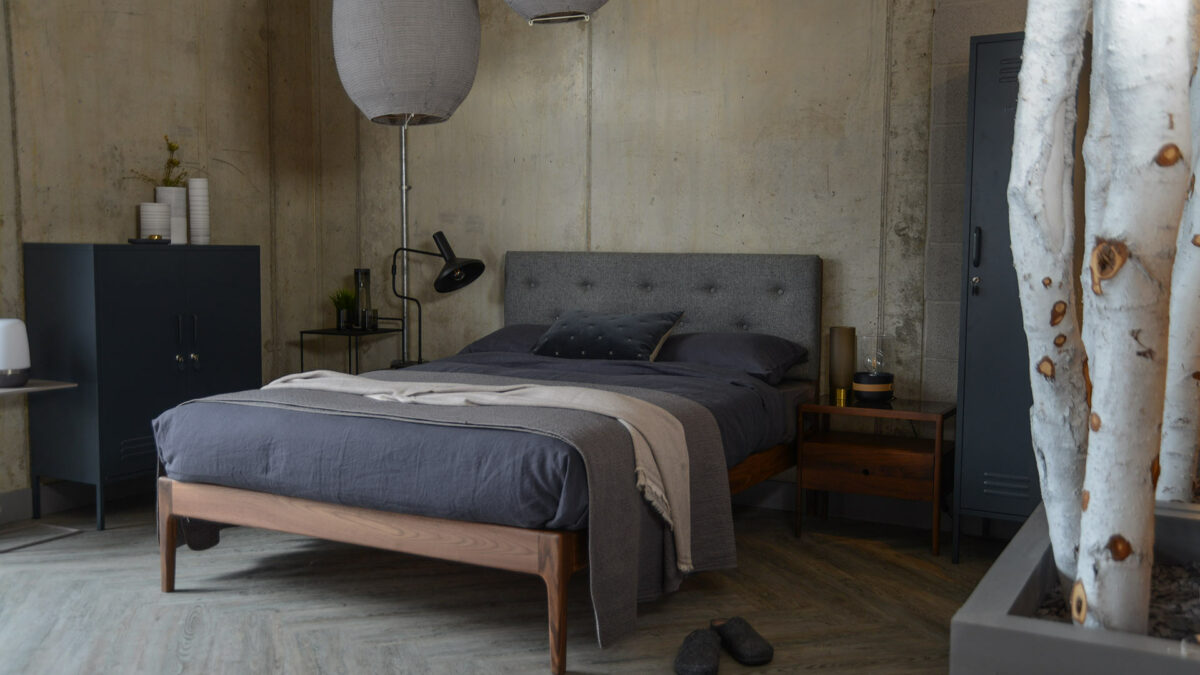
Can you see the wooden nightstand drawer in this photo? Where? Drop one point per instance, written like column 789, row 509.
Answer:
column 865, row 464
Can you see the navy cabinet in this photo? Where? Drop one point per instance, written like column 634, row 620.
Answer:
column 140, row 329
column 996, row 474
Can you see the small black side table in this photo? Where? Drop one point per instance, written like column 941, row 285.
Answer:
column 353, row 340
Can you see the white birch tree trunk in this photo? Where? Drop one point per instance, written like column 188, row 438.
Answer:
column 1143, row 65
column 1181, row 403
column 1041, row 220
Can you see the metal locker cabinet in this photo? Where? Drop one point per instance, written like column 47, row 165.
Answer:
column 994, row 461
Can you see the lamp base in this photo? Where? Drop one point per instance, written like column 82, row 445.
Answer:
column 16, row 377
column 873, row 387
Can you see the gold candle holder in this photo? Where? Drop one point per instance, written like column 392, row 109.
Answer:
column 840, row 395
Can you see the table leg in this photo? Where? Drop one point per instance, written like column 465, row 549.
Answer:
column 937, row 483
column 799, row 473
column 35, row 487
column 349, row 354
column 302, row 351
column 100, row 506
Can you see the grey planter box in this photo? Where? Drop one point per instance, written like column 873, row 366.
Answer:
column 995, row 632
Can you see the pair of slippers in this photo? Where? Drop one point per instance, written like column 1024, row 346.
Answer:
column 700, row 653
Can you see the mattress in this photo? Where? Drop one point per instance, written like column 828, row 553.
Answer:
column 477, row 474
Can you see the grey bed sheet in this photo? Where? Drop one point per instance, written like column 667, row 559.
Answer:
column 476, row 474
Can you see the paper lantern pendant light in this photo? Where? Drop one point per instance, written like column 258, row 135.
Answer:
column 555, row 11
column 406, row 61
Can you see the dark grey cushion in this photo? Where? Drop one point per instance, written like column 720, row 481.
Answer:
column 520, row 337
column 766, row 357
column 579, row 334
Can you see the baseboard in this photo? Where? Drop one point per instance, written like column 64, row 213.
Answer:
column 781, row 496
column 769, row 494
column 64, row 495
column 15, row 505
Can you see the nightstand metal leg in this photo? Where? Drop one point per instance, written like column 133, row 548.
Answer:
column 35, row 487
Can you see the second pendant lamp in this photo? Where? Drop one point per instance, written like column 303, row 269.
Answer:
column 555, row 11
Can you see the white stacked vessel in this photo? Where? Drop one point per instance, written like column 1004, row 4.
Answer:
column 197, row 198
column 154, row 220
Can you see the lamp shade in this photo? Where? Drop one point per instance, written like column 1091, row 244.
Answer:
column 406, row 60
column 457, row 272
column 14, row 353
column 555, row 11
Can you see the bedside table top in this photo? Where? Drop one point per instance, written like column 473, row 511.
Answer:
column 903, row 409
column 350, row 332
column 34, row 386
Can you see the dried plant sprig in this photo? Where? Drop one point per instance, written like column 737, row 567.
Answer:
column 173, row 175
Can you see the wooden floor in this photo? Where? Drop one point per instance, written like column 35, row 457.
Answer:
column 847, row 598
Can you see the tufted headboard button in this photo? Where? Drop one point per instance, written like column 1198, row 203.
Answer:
column 778, row 291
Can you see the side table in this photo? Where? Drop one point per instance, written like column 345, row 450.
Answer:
column 353, row 341
column 875, row 464
column 35, row 482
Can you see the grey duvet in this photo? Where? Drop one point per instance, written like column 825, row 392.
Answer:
column 480, row 467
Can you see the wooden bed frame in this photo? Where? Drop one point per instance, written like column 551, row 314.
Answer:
column 553, row 555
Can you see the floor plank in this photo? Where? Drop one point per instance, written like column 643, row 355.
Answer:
column 847, row 598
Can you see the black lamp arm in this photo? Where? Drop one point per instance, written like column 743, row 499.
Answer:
column 408, row 298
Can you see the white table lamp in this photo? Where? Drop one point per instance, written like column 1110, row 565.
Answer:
column 14, row 353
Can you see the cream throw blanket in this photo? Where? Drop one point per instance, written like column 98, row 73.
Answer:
column 659, row 445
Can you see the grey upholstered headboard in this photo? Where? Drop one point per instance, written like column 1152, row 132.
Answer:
column 718, row 292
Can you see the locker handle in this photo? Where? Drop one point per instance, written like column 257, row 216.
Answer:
column 195, row 356
column 976, row 237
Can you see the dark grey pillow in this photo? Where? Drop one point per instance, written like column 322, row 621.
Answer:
column 519, row 337
column 580, row 334
column 766, row 357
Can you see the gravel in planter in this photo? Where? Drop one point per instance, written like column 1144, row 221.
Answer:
column 1174, row 602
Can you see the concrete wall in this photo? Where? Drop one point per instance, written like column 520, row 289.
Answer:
column 678, row 125
column 662, row 125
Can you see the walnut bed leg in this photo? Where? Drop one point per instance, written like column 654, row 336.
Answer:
column 166, row 536
column 555, row 562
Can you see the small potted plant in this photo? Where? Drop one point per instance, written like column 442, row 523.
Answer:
column 343, row 303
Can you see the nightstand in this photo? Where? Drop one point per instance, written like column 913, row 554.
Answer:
column 875, row 464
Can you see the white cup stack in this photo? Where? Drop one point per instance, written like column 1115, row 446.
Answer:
column 155, row 219
column 197, row 194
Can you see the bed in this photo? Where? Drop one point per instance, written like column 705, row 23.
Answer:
column 518, row 528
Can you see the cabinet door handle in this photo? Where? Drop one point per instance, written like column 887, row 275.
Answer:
column 195, row 358
column 179, row 362
column 195, row 331
column 179, row 331
column 976, row 245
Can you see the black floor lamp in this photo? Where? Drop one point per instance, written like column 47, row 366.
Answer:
column 455, row 274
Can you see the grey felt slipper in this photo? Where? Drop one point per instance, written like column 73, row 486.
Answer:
column 742, row 642
column 700, row 653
